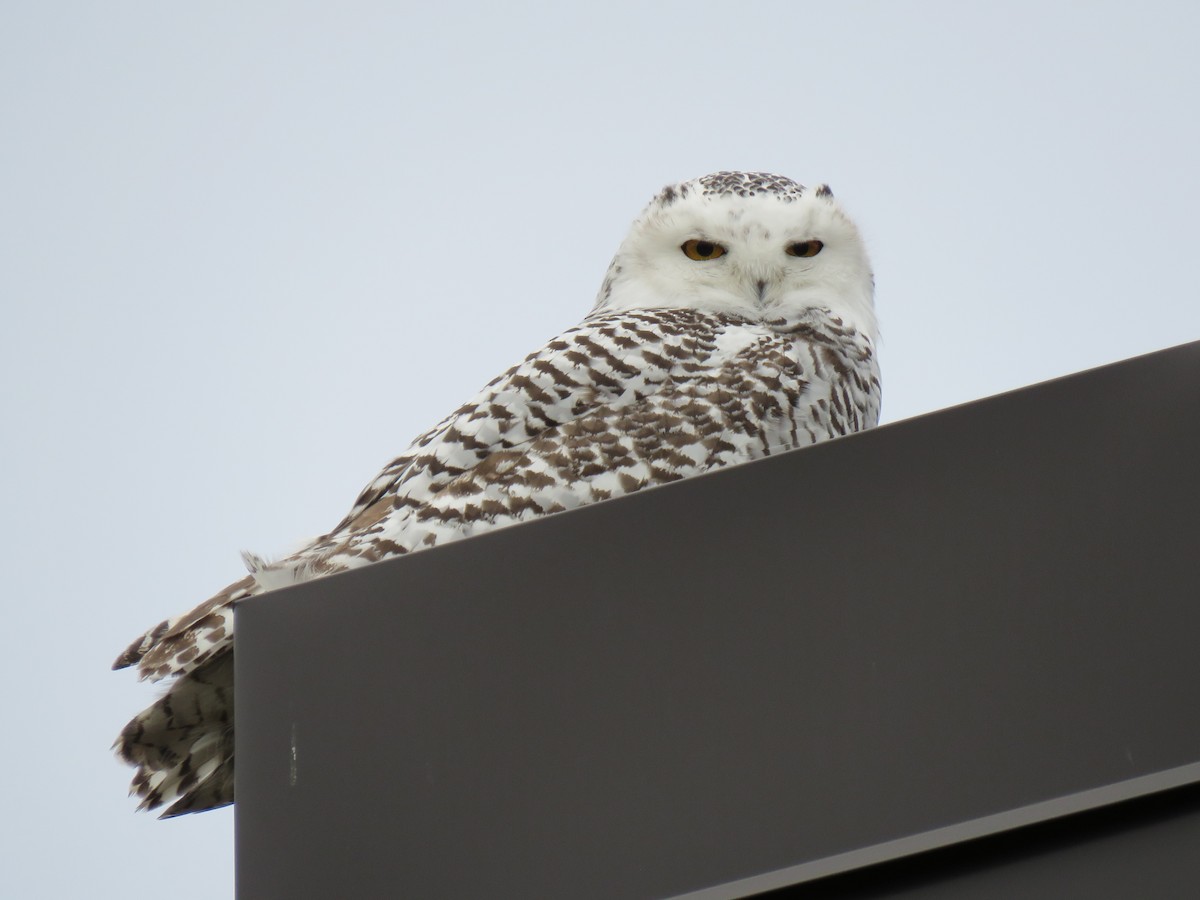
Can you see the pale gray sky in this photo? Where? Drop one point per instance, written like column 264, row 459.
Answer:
column 249, row 250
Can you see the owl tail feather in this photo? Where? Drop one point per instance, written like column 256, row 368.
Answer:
column 182, row 745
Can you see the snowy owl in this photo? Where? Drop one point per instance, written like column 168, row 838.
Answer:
column 735, row 321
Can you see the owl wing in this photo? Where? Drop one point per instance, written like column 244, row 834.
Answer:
column 586, row 374
column 608, row 359
column 748, row 393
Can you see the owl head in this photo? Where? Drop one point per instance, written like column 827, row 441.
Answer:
column 743, row 243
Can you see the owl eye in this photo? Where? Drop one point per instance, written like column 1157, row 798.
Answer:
column 804, row 248
column 701, row 250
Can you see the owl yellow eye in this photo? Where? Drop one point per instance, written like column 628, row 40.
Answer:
column 701, row 250
column 804, row 248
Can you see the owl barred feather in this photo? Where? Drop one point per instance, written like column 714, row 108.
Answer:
column 757, row 338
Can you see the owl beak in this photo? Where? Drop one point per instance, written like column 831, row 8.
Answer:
column 762, row 289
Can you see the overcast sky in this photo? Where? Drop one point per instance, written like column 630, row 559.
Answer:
column 249, row 250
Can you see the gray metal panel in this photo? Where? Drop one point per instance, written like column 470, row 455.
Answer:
column 900, row 633
column 1144, row 849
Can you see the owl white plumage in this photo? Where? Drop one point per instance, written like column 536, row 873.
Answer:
column 736, row 321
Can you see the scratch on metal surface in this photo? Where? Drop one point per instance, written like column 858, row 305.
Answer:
column 293, row 762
